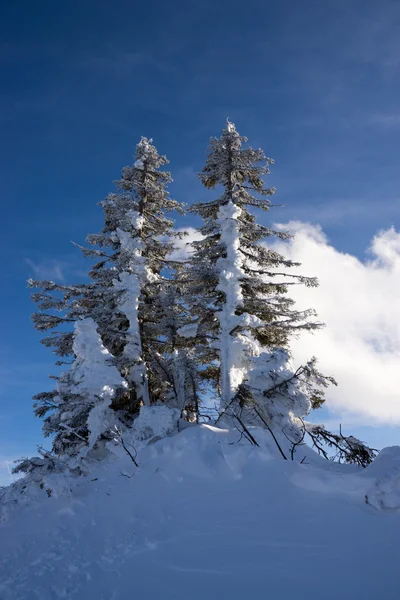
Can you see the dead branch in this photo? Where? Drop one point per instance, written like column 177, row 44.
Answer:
column 271, row 432
column 125, row 475
column 120, row 439
column 295, row 444
column 247, row 432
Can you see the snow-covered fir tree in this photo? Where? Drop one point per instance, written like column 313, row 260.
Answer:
column 237, row 286
column 137, row 238
column 126, row 283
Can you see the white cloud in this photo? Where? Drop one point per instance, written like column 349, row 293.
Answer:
column 359, row 302
column 183, row 249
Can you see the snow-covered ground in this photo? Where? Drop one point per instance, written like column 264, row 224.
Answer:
column 206, row 516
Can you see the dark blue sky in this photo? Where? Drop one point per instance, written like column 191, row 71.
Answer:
column 316, row 84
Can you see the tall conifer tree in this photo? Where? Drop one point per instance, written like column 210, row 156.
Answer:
column 126, row 284
column 237, row 286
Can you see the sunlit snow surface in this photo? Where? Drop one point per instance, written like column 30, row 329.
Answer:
column 205, row 517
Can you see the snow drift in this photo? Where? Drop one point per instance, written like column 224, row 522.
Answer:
column 207, row 515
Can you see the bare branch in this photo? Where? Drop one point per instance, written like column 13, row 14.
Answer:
column 120, row 439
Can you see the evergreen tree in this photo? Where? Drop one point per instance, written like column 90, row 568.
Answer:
column 237, row 287
column 126, row 282
column 139, row 234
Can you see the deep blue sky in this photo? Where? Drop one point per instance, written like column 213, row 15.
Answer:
column 316, row 84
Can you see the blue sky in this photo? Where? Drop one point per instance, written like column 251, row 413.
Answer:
column 316, row 84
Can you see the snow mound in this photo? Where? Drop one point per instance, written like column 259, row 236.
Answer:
column 207, row 515
column 156, row 422
column 384, row 493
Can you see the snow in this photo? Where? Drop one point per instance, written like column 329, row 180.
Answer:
column 94, row 377
column 384, row 493
column 230, row 270
column 188, row 331
column 138, row 164
column 207, row 516
column 87, row 345
column 101, row 418
column 230, row 267
column 269, row 370
column 137, row 220
column 132, row 246
column 128, row 242
column 235, row 351
column 179, row 375
column 93, row 373
column 129, row 284
column 231, row 128
column 156, row 421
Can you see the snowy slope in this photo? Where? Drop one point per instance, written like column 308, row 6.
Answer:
column 205, row 517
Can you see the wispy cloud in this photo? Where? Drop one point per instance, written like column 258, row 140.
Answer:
column 70, row 267
column 386, row 119
column 47, row 269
